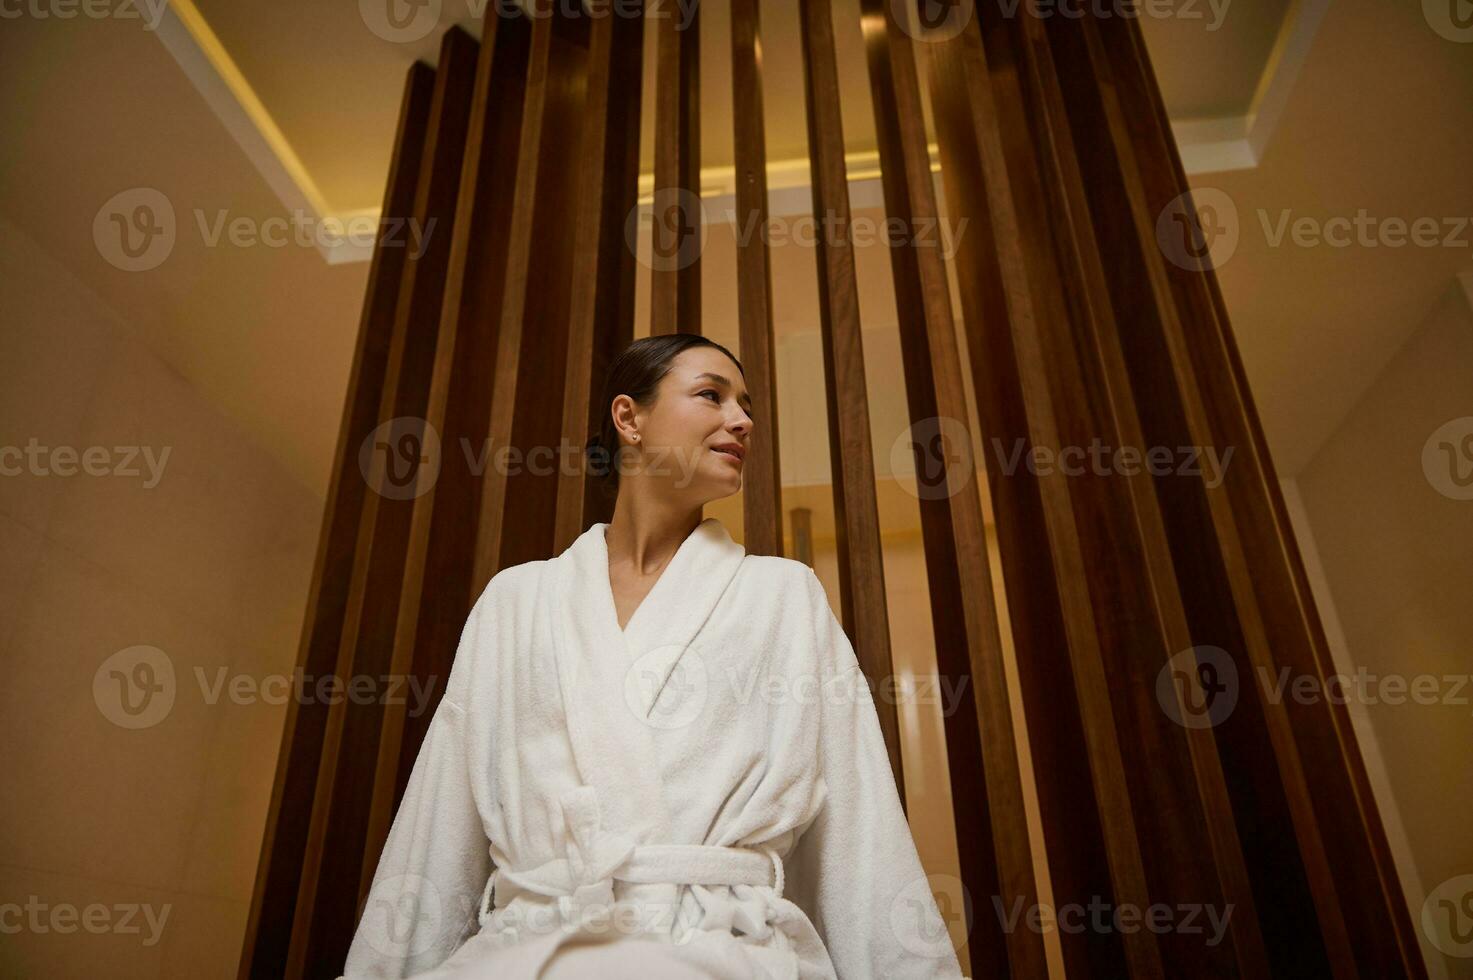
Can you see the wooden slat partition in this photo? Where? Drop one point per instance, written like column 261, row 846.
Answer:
column 1380, row 930
column 519, row 496
column 991, row 826
column 675, row 288
column 1021, row 390
column 284, row 848
column 762, row 506
column 856, row 514
column 440, row 556
column 1141, row 622
column 1026, row 77
column 1288, row 869
column 601, row 321
column 519, row 158
column 323, row 930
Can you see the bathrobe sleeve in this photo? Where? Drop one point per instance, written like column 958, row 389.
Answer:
column 436, row 860
column 855, row 869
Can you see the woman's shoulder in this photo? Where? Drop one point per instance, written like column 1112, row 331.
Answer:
column 795, row 594
column 776, row 571
column 514, row 587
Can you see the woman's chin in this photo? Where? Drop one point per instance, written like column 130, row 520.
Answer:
column 725, row 480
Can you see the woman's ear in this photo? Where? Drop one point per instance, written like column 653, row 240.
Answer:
column 626, row 417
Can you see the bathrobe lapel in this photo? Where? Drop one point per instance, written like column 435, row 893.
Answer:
column 622, row 688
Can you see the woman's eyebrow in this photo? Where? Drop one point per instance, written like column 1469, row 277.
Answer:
column 745, row 398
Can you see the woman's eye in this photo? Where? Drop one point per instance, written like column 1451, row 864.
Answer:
column 709, row 392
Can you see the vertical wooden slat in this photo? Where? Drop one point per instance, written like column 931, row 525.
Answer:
column 284, row 845
column 675, row 289
column 1169, row 821
column 1011, row 363
column 992, row 834
column 519, row 495
column 1378, row 923
column 1304, row 934
column 762, row 478
column 439, row 556
column 802, row 522
column 856, row 514
column 323, row 929
column 601, row 322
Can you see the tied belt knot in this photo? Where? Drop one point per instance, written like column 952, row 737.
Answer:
column 596, row 857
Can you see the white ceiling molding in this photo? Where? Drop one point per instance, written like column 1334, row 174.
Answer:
column 1238, row 142
column 188, row 38
column 1206, row 145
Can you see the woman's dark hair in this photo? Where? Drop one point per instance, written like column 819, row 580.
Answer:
column 636, row 372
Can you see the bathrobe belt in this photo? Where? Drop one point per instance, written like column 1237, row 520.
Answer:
column 597, row 857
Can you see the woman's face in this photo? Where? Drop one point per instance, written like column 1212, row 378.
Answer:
column 698, row 430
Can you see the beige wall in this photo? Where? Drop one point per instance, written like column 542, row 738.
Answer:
column 209, row 564
column 1392, row 559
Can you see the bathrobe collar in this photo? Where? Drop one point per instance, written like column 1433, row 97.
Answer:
column 612, row 680
column 682, row 598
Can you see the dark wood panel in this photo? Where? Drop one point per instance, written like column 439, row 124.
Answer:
column 284, row 845
column 439, row 555
column 994, row 851
column 856, row 514
column 1287, row 870
column 1172, row 822
column 675, row 287
column 1018, row 369
column 325, row 922
column 519, row 493
column 1334, row 771
column 601, row 321
column 762, row 506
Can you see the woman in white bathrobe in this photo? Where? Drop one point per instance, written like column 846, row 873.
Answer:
column 656, row 755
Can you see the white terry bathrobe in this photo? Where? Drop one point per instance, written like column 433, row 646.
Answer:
column 704, row 793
